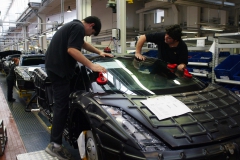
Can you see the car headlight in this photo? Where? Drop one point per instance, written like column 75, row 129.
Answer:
column 146, row 140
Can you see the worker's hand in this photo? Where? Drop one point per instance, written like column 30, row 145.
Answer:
column 181, row 67
column 98, row 68
column 140, row 56
column 103, row 54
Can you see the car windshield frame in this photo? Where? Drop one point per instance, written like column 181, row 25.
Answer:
column 130, row 76
column 32, row 60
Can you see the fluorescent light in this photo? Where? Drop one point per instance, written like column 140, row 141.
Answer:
column 206, row 28
column 69, row 9
column 196, row 38
column 189, row 31
column 220, row 2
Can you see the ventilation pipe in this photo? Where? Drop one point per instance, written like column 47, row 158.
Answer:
column 41, row 24
column 62, row 13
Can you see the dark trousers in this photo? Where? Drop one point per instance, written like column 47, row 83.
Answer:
column 61, row 91
column 10, row 85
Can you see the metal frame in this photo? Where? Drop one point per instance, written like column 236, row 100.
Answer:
column 216, row 55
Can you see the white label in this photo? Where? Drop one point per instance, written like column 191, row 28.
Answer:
column 201, row 43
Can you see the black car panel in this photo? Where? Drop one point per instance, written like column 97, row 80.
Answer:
column 123, row 127
column 7, row 62
column 25, row 69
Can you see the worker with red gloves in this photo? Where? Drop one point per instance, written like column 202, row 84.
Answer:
column 171, row 48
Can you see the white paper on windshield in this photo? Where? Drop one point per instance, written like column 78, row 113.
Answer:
column 166, row 106
column 109, row 65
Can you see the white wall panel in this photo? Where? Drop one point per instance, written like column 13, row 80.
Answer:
column 193, row 16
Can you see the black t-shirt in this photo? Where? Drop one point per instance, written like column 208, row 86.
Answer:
column 11, row 75
column 175, row 55
column 58, row 61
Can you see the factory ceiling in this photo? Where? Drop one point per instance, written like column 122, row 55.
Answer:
column 53, row 7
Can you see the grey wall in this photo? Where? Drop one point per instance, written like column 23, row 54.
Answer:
column 109, row 19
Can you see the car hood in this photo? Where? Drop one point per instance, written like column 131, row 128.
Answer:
column 25, row 72
column 215, row 116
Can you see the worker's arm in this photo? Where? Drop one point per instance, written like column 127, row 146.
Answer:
column 78, row 56
column 183, row 58
column 142, row 39
column 91, row 48
column 181, row 67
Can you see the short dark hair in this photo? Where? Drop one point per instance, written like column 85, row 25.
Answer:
column 96, row 21
column 174, row 31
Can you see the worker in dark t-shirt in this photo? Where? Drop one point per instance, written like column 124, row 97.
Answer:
column 171, row 48
column 61, row 58
column 11, row 79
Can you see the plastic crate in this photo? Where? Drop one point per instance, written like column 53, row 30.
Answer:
column 201, row 57
column 190, row 69
column 227, row 68
column 236, row 89
column 236, row 76
column 224, row 54
column 203, row 70
column 192, row 54
column 229, row 86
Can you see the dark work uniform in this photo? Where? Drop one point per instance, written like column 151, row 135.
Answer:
column 11, row 78
column 60, row 67
column 174, row 55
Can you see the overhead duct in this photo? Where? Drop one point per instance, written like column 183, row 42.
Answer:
column 34, row 5
column 220, row 2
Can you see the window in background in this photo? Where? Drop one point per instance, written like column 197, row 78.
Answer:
column 159, row 16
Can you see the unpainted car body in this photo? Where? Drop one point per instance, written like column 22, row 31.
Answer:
column 7, row 63
column 24, row 70
column 4, row 55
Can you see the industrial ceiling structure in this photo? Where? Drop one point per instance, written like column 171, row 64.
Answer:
column 16, row 18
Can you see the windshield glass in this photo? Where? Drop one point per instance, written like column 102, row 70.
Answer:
column 127, row 75
column 30, row 61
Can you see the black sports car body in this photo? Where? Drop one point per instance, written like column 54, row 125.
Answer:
column 7, row 62
column 120, row 125
column 24, row 70
column 6, row 57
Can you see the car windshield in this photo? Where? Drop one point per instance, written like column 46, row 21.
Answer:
column 8, row 58
column 127, row 75
column 35, row 60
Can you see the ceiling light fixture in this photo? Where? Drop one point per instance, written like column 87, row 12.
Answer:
column 208, row 28
column 194, row 32
column 36, row 27
column 69, row 9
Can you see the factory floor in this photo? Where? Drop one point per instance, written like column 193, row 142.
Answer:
column 27, row 132
column 14, row 144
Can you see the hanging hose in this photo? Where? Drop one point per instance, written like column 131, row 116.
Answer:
column 107, row 49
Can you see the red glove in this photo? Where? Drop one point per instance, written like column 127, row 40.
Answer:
column 186, row 73
column 171, row 67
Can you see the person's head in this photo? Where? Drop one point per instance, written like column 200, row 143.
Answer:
column 92, row 25
column 15, row 60
column 173, row 33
